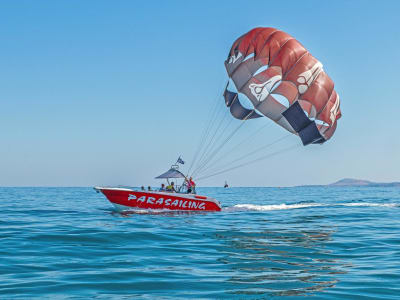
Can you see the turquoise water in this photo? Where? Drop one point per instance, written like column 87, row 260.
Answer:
column 288, row 243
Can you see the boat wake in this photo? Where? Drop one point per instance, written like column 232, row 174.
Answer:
column 244, row 207
column 253, row 207
column 272, row 206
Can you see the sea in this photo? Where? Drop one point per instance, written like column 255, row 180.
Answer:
column 266, row 243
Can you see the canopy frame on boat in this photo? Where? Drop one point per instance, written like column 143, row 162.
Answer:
column 171, row 173
column 174, row 174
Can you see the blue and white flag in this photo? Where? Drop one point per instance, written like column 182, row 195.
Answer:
column 180, row 161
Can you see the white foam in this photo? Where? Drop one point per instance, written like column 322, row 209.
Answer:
column 284, row 206
column 275, row 207
column 370, row 204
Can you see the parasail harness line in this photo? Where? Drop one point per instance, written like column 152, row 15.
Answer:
column 250, row 162
column 209, row 124
column 210, row 156
column 249, row 154
column 209, row 140
column 226, row 154
column 212, row 141
column 219, row 148
column 206, row 144
column 206, row 132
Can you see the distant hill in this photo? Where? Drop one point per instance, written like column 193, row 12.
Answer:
column 346, row 182
column 360, row 182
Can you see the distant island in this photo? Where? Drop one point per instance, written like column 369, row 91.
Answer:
column 346, row 182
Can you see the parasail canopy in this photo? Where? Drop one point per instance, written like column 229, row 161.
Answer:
column 266, row 64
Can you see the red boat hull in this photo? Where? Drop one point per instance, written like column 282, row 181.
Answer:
column 126, row 198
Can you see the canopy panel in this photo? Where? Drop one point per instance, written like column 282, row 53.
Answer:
column 236, row 108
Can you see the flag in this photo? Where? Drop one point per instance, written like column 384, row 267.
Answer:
column 180, row 161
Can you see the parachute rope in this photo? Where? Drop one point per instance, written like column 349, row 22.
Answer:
column 208, row 158
column 215, row 140
column 211, row 150
column 250, row 153
column 210, row 122
column 207, row 149
column 232, row 150
column 250, row 162
column 211, row 155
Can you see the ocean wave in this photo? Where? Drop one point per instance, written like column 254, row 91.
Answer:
column 306, row 205
column 275, row 206
column 370, row 204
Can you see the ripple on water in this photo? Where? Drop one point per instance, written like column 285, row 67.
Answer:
column 335, row 243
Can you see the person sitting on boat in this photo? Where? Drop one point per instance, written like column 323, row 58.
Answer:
column 190, row 185
column 162, row 188
column 142, row 188
column 149, row 188
column 171, row 188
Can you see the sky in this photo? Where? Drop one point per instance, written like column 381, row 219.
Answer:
column 112, row 92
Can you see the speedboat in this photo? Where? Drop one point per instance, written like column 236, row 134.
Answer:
column 127, row 198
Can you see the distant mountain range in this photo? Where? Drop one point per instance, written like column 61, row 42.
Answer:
column 362, row 183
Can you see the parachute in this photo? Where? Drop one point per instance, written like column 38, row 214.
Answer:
column 266, row 64
column 282, row 81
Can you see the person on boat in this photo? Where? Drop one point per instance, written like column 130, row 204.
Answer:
column 149, row 188
column 190, row 186
column 162, row 188
column 171, row 188
column 142, row 188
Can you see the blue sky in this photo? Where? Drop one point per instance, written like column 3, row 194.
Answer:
column 112, row 92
